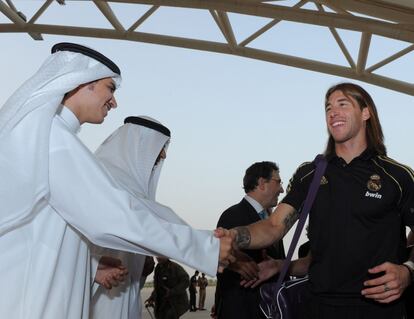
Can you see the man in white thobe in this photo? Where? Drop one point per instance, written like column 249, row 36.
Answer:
column 54, row 194
column 133, row 155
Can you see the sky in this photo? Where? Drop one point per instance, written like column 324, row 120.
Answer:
column 225, row 112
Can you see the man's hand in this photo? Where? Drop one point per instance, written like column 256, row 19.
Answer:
column 245, row 266
column 226, row 255
column 149, row 302
column 110, row 272
column 389, row 286
column 213, row 312
column 267, row 269
column 247, row 269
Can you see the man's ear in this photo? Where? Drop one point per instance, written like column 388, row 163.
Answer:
column 86, row 86
column 69, row 94
column 261, row 182
column 365, row 114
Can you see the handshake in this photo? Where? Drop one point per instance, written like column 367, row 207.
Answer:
column 231, row 241
column 228, row 247
column 231, row 257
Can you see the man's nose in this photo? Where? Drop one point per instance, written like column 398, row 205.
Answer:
column 333, row 112
column 163, row 154
column 113, row 103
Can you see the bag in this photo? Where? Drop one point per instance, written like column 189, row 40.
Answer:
column 286, row 300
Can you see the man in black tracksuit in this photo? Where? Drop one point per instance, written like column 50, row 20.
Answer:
column 359, row 266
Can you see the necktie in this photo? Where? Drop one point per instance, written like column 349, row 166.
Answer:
column 263, row 214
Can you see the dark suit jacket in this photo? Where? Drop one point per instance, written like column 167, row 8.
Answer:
column 234, row 301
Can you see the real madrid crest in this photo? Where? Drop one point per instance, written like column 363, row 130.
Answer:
column 374, row 183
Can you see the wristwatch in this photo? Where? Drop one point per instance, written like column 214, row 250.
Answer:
column 410, row 266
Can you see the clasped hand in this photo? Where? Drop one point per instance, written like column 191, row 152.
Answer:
column 110, row 272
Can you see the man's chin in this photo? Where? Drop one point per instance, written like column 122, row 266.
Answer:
column 97, row 121
column 274, row 204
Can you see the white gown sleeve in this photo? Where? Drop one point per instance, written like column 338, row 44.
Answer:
column 83, row 194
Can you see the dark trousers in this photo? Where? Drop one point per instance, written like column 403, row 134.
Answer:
column 166, row 312
column 240, row 303
column 193, row 300
column 409, row 301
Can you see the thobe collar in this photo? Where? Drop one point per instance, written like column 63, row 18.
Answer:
column 256, row 205
column 69, row 119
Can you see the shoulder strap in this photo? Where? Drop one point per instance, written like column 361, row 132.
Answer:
column 321, row 164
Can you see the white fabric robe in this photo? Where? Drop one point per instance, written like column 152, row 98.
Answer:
column 54, row 194
column 129, row 155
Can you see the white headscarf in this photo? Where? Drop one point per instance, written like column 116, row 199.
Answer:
column 129, row 154
column 25, row 122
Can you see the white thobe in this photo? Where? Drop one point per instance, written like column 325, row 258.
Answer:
column 46, row 274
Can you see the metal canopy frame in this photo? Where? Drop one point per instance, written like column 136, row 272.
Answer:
column 389, row 19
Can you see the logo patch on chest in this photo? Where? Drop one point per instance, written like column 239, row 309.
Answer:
column 374, row 183
column 373, row 195
column 324, row 181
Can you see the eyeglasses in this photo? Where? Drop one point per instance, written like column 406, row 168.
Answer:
column 277, row 181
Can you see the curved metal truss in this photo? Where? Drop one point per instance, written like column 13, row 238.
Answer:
column 386, row 19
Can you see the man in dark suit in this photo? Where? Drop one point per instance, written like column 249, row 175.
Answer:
column 262, row 185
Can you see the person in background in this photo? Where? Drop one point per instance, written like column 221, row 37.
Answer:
column 202, row 284
column 133, row 155
column 169, row 297
column 262, row 185
column 193, row 291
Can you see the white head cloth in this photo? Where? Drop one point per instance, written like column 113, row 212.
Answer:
column 25, row 122
column 129, row 155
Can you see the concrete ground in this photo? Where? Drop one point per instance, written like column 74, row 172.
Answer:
column 145, row 292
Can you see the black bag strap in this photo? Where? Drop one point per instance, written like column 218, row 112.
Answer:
column 321, row 164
